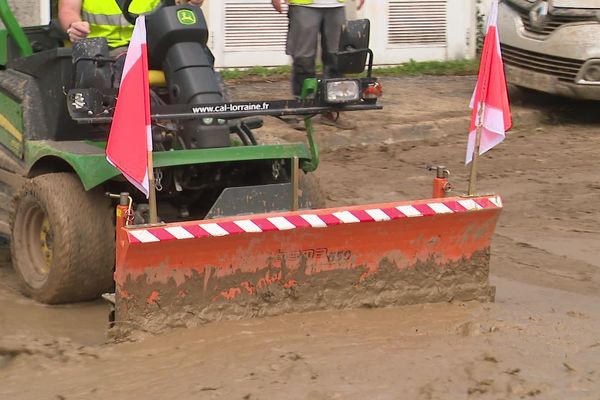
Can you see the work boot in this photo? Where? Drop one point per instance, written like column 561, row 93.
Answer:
column 294, row 122
column 336, row 120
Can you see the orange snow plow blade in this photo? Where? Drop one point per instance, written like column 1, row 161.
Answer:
column 366, row 256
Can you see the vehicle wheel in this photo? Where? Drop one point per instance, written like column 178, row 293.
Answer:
column 308, row 183
column 6, row 193
column 310, row 188
column 62, row 240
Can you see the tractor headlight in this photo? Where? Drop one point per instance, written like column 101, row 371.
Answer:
column 341, row 91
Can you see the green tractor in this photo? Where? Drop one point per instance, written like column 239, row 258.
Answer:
column 56, row 105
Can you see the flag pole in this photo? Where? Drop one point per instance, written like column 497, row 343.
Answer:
column 475, row 161
column 151, row 181
column 152, row 191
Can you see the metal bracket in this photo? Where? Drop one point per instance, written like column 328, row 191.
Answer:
column 310, row 88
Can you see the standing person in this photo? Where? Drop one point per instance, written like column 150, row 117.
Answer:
column 102, row 18
column 307, row 20
column 82, row 19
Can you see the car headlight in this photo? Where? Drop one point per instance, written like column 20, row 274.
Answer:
column 589, row 73
column 342, row 91
column 592, row 73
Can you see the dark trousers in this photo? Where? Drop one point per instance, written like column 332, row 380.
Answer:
column 305, row 26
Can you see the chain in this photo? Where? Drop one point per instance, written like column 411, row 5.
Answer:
column 130, row 215
column 158, row 178
column 276, row 169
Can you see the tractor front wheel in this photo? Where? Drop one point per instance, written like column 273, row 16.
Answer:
column 62, row 240
column 311, row 190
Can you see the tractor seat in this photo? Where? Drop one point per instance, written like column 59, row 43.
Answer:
column 156, row 78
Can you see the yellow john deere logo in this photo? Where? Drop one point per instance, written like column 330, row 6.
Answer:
column 186, row 17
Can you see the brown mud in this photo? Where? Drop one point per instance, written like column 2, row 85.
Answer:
column 389, row 285
column 539, row 340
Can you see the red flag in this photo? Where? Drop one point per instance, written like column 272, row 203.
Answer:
column 490, row 93
column 130, row 139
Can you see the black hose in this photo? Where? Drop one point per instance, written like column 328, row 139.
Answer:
column 248, row 132
column 242, row 135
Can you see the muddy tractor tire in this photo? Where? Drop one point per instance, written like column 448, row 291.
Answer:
column 311, row 189
column 62, row 240
column 308, row 183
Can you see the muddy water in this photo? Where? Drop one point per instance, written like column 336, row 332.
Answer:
column 533, row 343
column 84, row 323
column 540, row 340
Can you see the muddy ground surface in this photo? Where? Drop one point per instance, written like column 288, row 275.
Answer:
column 540, row 339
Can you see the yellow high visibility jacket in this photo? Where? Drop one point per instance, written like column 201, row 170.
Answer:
column 107, row 21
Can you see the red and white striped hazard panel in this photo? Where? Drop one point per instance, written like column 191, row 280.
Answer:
column 310, row 219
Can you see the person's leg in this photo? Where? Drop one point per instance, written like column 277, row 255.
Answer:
column 331, row 31
column 304, row 23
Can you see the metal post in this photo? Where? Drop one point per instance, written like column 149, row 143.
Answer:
column 152, row 191
column 295, row 172
column 441, row 186
column 475, row 161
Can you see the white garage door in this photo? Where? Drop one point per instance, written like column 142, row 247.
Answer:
column 248, row 33
column 420, row 30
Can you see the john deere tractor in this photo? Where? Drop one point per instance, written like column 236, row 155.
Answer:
column 56, row 105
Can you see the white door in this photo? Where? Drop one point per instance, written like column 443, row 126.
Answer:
column 420, row 30
column 30, row 12
column 247, row 33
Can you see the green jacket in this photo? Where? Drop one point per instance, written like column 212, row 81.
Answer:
column 107, row 21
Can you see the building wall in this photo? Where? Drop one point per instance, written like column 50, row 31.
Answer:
column 421, row 30
column 27, row 12
column 249, row 32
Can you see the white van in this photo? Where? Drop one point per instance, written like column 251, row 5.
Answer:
column 552, row 46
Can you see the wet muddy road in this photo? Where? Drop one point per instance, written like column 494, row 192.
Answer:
column 541, row 339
